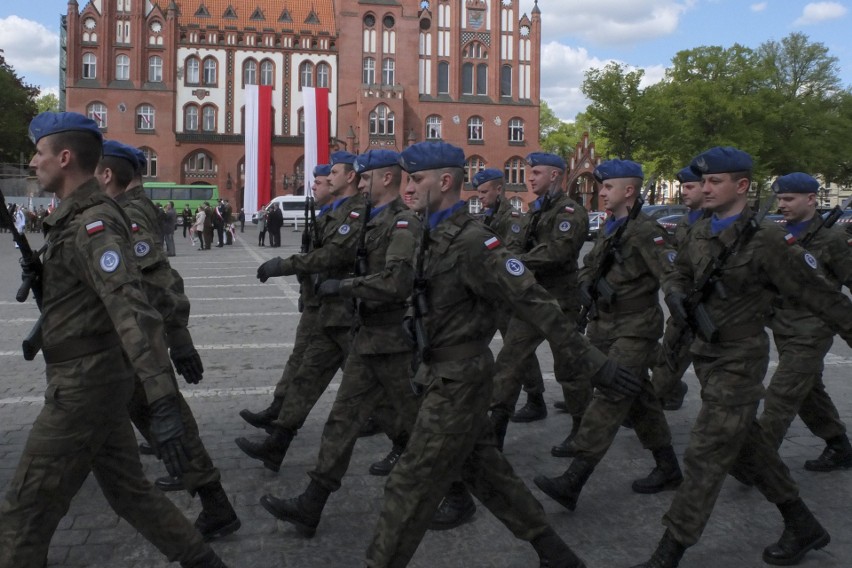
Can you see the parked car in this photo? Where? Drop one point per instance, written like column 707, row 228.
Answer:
column 657, row 211
column 292, row 207
column 596, row 219
column 669, row 222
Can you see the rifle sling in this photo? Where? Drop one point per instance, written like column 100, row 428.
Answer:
column 79, row 347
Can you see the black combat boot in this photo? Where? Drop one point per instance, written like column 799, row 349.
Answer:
column 673, row 400
column 271, row 451
column 534, row 409
column 802, row 532
column 385, row 466
column 566, row 449
column 264, row 418
column 217, row 517
column 209, row 560
column 668, row 553
column 554, row 553
column 836, row 455
column 566, row 488
column 666, row 474
column 455, row 510
column 500, row 421
column 303, row 511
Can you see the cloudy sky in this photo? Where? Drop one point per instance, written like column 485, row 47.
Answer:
column 577, row 35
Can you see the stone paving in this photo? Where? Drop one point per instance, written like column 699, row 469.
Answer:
column 244, row 331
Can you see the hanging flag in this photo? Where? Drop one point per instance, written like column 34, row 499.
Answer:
column 317, row 131
column 258, row 149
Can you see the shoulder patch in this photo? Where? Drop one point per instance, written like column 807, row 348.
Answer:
column 109, row 261
column 671, row 256
column 401, row 224
column 515, row 267
column 515, row 214
column 564, row 226
column 849, row 242
column 343, row 229
column 354, row 214
column 659, row 241
column 569, row 209
column 516, row 228
column 492, row 243
column 134, row 227
column 95, row 227
column 810, row 260
column 790, row 238
column 142, row 248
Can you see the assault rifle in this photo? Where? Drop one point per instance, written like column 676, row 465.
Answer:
column 601, row 290
column 827, row 222
column 361, row 251
column 306, row 234
column 32, row 268
column 535, row 216
column 419, row 304
column 698, row 318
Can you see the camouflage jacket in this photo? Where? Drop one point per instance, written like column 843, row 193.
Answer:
column 507, row 223
column 469, row 274
column 683, row 228
column 93, row 294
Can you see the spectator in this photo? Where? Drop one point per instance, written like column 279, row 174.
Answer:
column 242, row 219
column 261, row 226
column 169, row 226
column 188, row 218
column 274, row 222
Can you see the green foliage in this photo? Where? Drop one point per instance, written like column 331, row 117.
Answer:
column 47, row 102
column 18, row 103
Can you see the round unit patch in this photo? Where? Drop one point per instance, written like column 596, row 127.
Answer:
column 516, row 228
column 812, row 262
column 142, row 248
column 672, row 256
column 343, row 230
column 515, row 267
column 564, row 226
column 109, row 261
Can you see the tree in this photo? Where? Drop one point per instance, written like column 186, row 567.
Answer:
column 47, row 102
column 616, row 98
column 548, row 121
column 18, row 103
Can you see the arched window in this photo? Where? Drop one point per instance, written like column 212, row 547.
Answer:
column 506, row 81
column 250, row 72
column 369, row 74
column 208, row 118
column 323, row 76
column 90, row 66
column 382, row 121
column 306, row 74
column 516, row 130
column 98, row 113
column 467, row 78
column 145, row 115
column 190, row 118
column 515, row 171
column 475, row 50
column 300, row 116
column 193, row 71
column 267, row 72
column 433, row 127
column 481, row 79
column 155, row 69
column 443, row 78
column 388, row 74
column 200, row 164
column 210, row 71
column 473, row 166
column 122, row 68
column 475, row 129
column 151, row 167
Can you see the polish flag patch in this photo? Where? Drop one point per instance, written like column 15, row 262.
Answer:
column 569, row 209
column 95, row 227
column 659, row 241
column 134, row 227
column 402, row 224
column 790, row 238
column 849, row 242
column 515, row 214
column 492, row 243
column 354, row 214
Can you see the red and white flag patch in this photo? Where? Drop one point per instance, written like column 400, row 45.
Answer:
column 492, row 243
column 95, row 227
column 790, row 238
column 569, row 209
column 354, row 214
column 134, row 227
column 659, row 241
column 849, row 242
column 402, row 224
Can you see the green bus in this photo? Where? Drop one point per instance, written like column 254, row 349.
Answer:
column 193, row 195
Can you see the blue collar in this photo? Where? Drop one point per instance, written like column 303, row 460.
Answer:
column 612, row 224
column 797, row 229
column 487, row 212
column 323, row 210
column 719, row 225
column 376, row 210
column 536, row 205
column 436, row 218
column 339, row 202
column 694, row 216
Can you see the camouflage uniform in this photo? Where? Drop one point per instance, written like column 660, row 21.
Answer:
column 99, row 330
column 380, row 358
column 628, row 331
column 452, row 435
column 557, row 241
column 731, row 371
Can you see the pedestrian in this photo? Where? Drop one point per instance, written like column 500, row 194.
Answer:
column 219, row 223
column 241, row 217
column 207, row 233
column 274, row 222
column 198, row 227
column 188, row 218
column 169, row 226
column 261, row 227
column 98, row 331
column 731, row 353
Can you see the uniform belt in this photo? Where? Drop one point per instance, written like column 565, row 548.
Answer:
column 383, row 318
column 79, row 347
column 627, row 306
column 740, row 332
column 460, row 351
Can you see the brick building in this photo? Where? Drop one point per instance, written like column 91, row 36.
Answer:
column 168, row 76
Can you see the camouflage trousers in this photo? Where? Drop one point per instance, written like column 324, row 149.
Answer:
column 84, row 429
column 200, row 469
column 309, row 326
column 452, row 439
column 663, row 377
column 368, row 381
column 530, row 377
column 608, row 410
column 725, row 425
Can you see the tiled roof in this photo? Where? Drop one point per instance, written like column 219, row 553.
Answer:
column 298, row 15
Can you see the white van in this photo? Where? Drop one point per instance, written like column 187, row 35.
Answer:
column 292, row 207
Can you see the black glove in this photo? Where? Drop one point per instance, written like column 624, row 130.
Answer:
column 585, row 292
column 616, row 378
column 187, row 363
column 270, row 269
column 676, row 301
column 31, row 279
column 329, row 288
column 166, row 431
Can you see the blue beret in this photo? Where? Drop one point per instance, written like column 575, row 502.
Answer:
column 797, row 182
column 686, row 175
column 720, row 160
column 544, row 159
column 48, row 123
column 322, row 170
column 486, row 175
column 115, row 149
column 431, row 156
column 614, row 169
column 343, row 158
column 376, row 159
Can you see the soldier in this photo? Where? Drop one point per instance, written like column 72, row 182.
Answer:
column 626, row 326
column 731, row 353
column 378, row 364
column 207, row 233
column 668, row 382
column 163, row 287
column 99, row 331
column 327, row 349
column 464, row 264
column 552, row 236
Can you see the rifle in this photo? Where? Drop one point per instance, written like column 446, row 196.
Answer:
column 306, row 234
column 699, row 320
column 31, row 264
column 601, row 290
column 828, row 221
column 361, row 252
column 535, row 219
column 419, row 304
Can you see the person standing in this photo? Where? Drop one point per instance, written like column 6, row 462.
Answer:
column 198, row 227
column 169, row 227
column 99, row 331
column 219, row 223
column 241, row 217
column 261, row 227
column 731, row 360
column 188, row 219
column 274, row 222
column 208, row 226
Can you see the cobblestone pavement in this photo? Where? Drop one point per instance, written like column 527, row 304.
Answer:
column 244, row 331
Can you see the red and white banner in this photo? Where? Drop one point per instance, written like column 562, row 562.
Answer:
column 258, row 147
column 317, row 131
